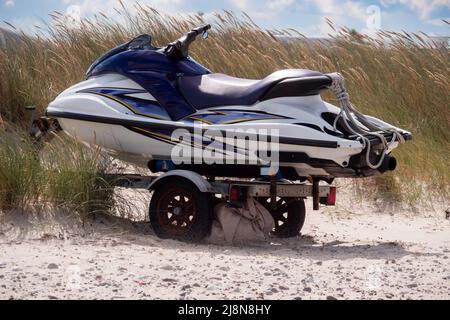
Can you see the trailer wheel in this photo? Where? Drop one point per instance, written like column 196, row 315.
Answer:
column 289, row 216
column 180, row 211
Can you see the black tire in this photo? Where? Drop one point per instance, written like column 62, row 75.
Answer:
column 289, row 216
column 191, row 216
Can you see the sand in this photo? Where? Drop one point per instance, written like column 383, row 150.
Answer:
column 343, row 253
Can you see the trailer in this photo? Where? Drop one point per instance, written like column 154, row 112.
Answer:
column 183, row 201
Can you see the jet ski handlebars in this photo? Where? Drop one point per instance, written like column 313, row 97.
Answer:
column 179, row 49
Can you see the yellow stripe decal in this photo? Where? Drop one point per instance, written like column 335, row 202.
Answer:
column 201, row 120
column 162, row 136
column 126, row 105
column 248, row 120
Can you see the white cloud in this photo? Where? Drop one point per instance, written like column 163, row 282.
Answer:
column 424, row 8
column 278, row 5
column 338, row 10
column 26, row 24
column 341, row 13
column 437, row 22
column 10, row 3
column 250, row 6
column 268, row 10
column 89, row 7
column 243, row 5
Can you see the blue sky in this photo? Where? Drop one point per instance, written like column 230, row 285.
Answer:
column 307, row 16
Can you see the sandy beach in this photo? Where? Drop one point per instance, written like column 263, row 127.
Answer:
column 342, row 254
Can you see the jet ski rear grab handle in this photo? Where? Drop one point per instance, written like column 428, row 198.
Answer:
column 359, row 125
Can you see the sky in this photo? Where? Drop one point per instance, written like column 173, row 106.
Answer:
column 307, row 16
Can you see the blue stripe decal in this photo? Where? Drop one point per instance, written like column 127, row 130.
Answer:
column 147, row 108
column 231, row 117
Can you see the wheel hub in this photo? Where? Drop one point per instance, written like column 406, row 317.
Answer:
column 178, row 211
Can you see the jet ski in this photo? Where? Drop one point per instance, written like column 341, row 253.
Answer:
column 147, row 105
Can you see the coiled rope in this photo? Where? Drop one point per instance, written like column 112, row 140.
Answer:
column 358, row 124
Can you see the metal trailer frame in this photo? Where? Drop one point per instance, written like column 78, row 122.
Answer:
column 228, row 188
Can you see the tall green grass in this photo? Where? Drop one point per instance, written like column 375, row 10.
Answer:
column 398, row 77
column 20, row 171
column 76, row 177
column 65, row 175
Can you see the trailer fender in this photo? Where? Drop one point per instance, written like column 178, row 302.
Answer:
column 176, row 175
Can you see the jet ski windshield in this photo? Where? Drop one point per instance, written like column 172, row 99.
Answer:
column 141, row 42
column 175, row 51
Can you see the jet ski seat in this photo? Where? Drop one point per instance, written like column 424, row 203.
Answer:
column 216, row 89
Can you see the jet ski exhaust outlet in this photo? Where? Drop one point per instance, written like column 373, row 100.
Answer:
column 359, row 125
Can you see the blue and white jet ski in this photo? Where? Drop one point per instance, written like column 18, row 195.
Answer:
column 140, row 103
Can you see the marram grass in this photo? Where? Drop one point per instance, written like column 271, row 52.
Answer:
column 76, row 177
column 20, row 171
column 65, row 175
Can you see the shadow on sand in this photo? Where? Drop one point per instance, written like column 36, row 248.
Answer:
column 125, row 232
column 106, row 229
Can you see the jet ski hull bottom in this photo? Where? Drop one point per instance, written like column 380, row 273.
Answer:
column 299, row 171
